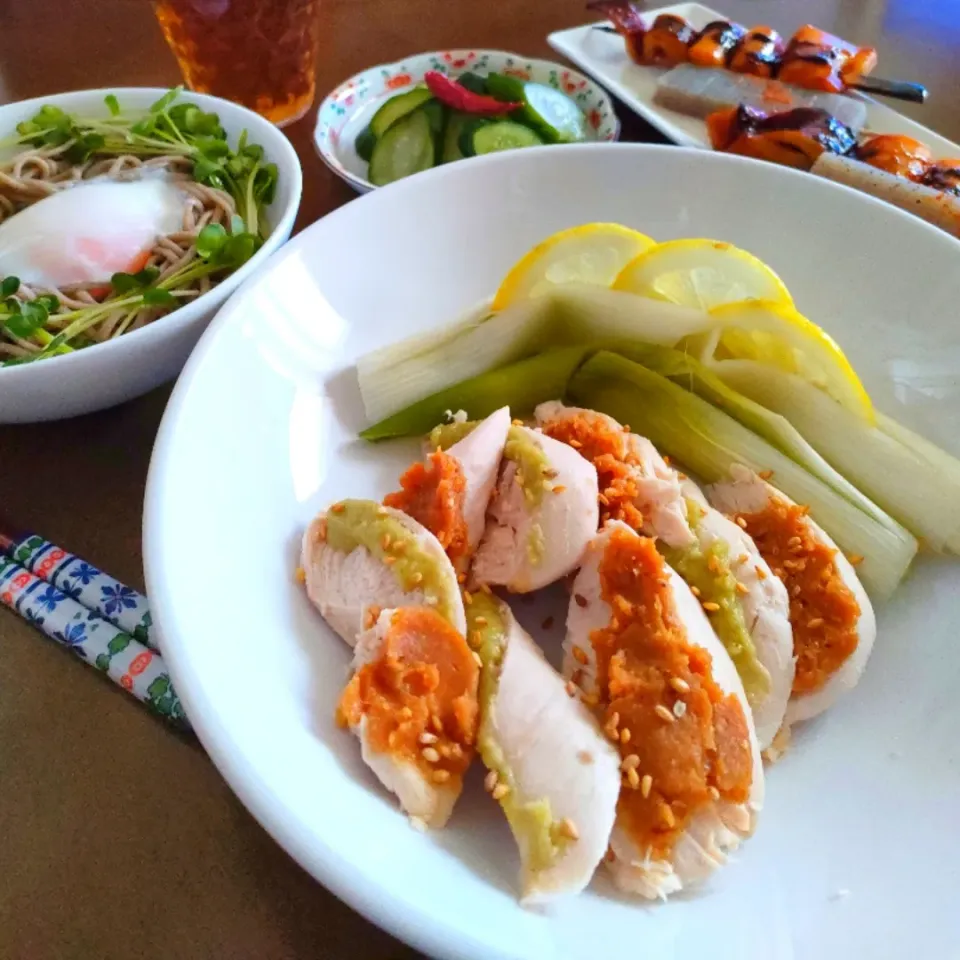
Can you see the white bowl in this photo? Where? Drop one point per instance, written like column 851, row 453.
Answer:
column 120, row 369
column 346, row 111
column 866, row 800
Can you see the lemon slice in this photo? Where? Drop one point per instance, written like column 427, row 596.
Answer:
column 592, row 253
column 702, row 274
column 778, row 336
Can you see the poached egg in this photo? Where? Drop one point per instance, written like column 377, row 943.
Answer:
column 88, row 232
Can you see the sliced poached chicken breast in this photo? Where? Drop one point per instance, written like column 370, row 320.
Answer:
column 542, row 516
column 832, row 618
column 752, row 618
column 747, row 606
column 412, row 703
column 640, row 647
column 449, row 493
column 360, row 554
column 636, row 483
column 550, row 767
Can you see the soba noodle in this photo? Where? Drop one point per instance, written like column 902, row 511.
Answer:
column 37, row 172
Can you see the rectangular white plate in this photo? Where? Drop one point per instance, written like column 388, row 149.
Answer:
column 604, row 57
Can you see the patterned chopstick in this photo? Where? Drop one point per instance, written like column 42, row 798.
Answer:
column 117, row 603
column 51, row 596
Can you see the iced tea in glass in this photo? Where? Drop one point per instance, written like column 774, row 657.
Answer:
column 261, row 53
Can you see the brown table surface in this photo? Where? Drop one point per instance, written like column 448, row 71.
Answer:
column 119, row 839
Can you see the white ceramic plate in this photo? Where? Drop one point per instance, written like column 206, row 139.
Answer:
column 128, row 366
column 603, row 56
column 259, row 434
column 346, row 111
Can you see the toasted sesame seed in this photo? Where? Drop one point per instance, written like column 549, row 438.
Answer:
column 667, row 813
column 300, row 575
column 714, row 793
column 461, row 578
column 713, row 564
column 500, row 791
column 591, row 699
column 710, row 606
column 630, row 762
column 389, row 561
column 680, row 685
column 761, row 573
column 476, row 638
column 585, row 757
column 427, row 738
column 580, row 656
column 625, row 735
column 517, row 422
column 559, row 488
column 646, row 784
column 741, row 589
column 338, row 508
column 477, row 659
column 666, row 460
column 441, row 776
column 569, row 829
column 385, row 541
column 679, row 708
column 581, row 600
column 663, row 713
column 571, row 688
column 681, row 476
column 815, row 622
column 551, row 474
column 741, row 523
column 436, row 724
column 695, row 591
column 743, row 558
column 626, row 428
column 855, row 559
column 633, row 778
column 485, row 588
column 765, row 474
column 490, row 780
column 392, row 739
column 430, row 755
column 467, row 597
column 480, row 621
column 576, row 444
column 547, row 624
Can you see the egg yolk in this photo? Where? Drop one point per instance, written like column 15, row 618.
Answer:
column 608, row 449
column 684, row 743
column 824, row 613
column 419, row 697
column 433, row 494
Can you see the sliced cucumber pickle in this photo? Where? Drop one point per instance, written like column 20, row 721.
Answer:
column 406, row 148
column 397, row 107
column 503, row 135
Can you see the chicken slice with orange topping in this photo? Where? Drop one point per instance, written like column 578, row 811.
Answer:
column 412, row 702
column 643, row 653
column 833, row 621
column 449, row 493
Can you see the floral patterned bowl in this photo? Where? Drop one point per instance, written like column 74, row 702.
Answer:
column 348, row 109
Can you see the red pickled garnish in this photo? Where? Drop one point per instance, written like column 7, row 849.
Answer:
column 452, row 94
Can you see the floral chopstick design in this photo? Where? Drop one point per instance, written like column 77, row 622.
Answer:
column 127, row 661
column 114, row 601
